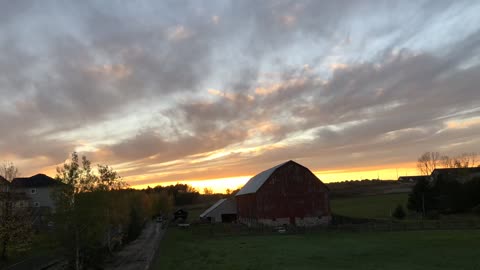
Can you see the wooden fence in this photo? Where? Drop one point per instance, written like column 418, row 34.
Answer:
column 214, row 230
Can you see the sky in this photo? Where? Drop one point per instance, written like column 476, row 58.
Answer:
column 213, row 92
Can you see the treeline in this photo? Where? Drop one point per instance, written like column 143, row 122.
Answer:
column 430, row 161
column 97, row 212
column 445, row 196
column 183, row 194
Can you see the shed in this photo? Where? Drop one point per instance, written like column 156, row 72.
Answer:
column 288, row 193
column 224, row 210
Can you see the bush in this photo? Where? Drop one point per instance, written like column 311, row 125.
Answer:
column 399, row 212
column 434, row 215
column 476, row 210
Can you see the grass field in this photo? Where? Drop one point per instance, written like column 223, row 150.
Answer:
column 41, row 247
column 376, row 206
column 183, row 249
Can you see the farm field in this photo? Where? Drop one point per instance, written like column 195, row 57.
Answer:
column 375, row 206
column 185, row 249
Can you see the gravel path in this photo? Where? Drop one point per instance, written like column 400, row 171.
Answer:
column 139, row 253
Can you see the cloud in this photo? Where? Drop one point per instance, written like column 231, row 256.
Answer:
column 216, row 89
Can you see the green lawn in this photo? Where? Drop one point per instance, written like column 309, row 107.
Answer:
column 423, row 250
column 42, row 247
column 376, row 206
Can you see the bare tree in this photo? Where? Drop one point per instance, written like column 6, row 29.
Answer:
column 9, row 171
column 428, row 162
column 469, row 159
column 447, row 162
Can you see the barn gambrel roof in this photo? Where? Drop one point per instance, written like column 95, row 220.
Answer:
column 254, row 184
column 258, row 180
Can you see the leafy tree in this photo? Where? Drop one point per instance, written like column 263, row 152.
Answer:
column 421, row 198
column 84, row 211
column 399, row 212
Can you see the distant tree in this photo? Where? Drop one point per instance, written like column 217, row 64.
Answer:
column 15, row 222
column 428, row 162
column 447, row 162
column 399, row 212
column 207, row 191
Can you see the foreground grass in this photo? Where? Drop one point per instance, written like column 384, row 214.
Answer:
column 42, row 246
column 376, row 206
column 184, row 249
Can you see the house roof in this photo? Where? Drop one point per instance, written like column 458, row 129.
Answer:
column 38, row 180
column 457, row 170
column 258, row 180
column 211, row 208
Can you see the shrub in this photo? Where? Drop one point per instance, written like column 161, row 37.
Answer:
column 399, row 212
column 476, row 210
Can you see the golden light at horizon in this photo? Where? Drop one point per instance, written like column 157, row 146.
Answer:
column 220, row 185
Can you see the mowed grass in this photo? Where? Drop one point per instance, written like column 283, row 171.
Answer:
column 184, row 249
column 375, row 206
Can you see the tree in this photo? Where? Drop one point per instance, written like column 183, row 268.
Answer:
column 447, row 162
column 428, row 162
column 421, row 198
column 83, row 211
column 207, row 191
column 15, row 222
column 9, row 171
column 399, row 212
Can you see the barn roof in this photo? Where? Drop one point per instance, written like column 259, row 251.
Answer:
column 257, row 181
column 211, row 208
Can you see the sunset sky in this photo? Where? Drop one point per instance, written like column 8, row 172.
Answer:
column 213, row 92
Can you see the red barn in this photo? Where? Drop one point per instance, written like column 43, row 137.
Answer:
column 288, row 193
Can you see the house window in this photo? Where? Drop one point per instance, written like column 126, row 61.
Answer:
column 36, row 204
column 33, row 191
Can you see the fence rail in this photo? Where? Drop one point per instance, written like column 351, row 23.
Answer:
column 213, row 230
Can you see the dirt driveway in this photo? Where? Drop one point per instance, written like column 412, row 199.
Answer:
column 139, row 253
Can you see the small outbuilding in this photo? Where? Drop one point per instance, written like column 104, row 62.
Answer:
column 180, row 215
column 224, row 210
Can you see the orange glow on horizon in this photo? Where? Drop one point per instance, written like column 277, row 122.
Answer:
column 220, row 185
